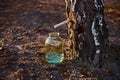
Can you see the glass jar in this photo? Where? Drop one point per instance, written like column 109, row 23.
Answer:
column 54, row 48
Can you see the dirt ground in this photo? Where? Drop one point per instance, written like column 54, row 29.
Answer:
column 24, row 26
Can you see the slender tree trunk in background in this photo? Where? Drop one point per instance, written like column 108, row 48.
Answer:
column 88, row 35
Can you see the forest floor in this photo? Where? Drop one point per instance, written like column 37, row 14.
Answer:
column 24, row 26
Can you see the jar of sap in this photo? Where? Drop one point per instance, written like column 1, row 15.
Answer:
column 54, row 48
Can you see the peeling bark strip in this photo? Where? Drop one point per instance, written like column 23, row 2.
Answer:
column 88, row 35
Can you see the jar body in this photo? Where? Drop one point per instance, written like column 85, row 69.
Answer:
column 54, row 49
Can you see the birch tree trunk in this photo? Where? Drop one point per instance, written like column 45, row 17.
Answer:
column 88, row 34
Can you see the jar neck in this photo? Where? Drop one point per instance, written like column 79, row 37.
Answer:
column 54, row 34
